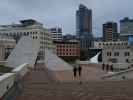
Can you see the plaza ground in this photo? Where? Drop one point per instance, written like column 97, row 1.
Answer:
column 39, row 84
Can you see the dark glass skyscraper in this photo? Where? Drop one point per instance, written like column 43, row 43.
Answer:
column 84, row 30
column 83, row 20
column 110, row 31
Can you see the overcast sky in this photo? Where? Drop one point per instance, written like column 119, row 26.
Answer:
column 62, row 12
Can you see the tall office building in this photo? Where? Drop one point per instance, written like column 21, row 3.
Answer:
column 84, row 30
column 83, row 20
column 110, row 31
column 56, row 33
column 126, row 26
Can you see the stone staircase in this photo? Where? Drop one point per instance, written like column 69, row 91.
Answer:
column 38, row 74
column 39, row 85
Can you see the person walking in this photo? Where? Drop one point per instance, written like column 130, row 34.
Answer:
column 75, row 72
column 80, row 70
column 112, row 69
column 107, row 67
column 103, row 67
column 80, row 74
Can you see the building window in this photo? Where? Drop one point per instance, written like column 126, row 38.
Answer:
column 116, row 54
column 27, row 33
column 127, row 54
column 108, row 53
column 113, row 60
column 127, row 60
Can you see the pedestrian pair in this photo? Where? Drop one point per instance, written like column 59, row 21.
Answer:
column 77, row 69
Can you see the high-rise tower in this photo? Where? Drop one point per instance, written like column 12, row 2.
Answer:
column 83, row 20
column 110, row 31
column 84, row 30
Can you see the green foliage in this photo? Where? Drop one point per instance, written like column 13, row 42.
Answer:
column 83, row 55
column 70, row 59
column 4, row 69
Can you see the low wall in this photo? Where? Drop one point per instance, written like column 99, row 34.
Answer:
column 21, row 70
column 6, row 82
column 122, row 75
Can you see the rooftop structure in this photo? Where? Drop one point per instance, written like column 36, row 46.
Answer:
column 118, row 44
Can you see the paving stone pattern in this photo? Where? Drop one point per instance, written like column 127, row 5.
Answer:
column 39, row 85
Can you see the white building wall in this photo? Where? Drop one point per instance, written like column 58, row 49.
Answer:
column 7, row 80
column 120, row 59
column 34, row 32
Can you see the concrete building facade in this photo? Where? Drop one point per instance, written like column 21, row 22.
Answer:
column 120, row 54
column 101, row 45
column 30, row 28
column 6, row 46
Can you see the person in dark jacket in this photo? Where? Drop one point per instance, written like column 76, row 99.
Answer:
column 103, row 66
column 107, row 67
column 112, row 69
column 75, row 71
column 80, row 70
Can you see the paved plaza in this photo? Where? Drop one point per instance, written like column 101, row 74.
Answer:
column 40, row 85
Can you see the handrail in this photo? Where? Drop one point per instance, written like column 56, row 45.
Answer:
column 19, row 67
column 117, row 73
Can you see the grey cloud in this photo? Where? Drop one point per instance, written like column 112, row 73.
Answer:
column 62, row 12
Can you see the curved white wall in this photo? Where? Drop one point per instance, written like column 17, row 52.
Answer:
column 6, row 82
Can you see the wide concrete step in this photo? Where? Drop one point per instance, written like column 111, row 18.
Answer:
column 74, row 91
column 38, row 86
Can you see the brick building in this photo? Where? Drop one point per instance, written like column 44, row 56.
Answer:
column 68, row 50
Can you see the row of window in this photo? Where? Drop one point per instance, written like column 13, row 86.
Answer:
column 67, row 49
column 112, row 44
column 45, row 38
column 66, row 46
column 46, row 34
column 19, row 33
column 117, row 53
column 34, row 37
column 70, row 54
